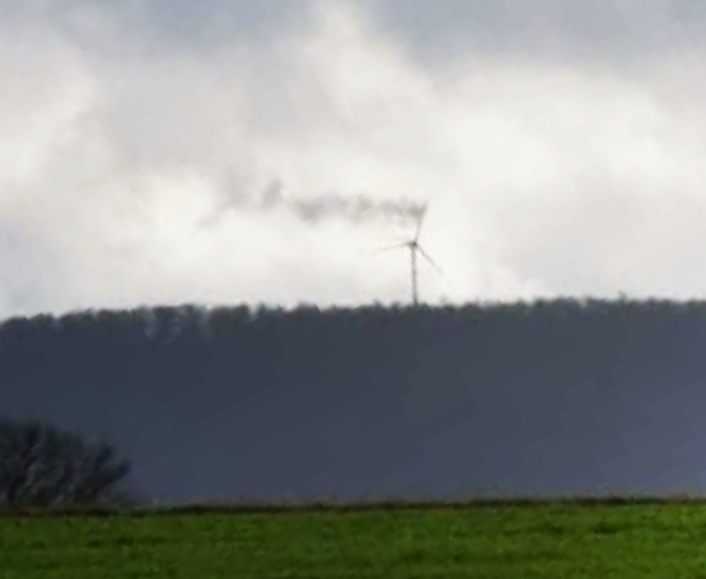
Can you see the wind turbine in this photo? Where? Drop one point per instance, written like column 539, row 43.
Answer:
column 415, row 248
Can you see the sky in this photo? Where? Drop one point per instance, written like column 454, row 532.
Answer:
column 220, row 152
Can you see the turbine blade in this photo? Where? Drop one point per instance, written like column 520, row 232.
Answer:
column 420, row 221
column 387, row 248
column 428, row 257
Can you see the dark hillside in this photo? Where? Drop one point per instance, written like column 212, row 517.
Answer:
column 544, row 397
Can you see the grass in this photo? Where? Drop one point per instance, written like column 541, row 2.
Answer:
column 513, row 539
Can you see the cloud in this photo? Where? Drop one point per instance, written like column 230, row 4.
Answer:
column 620, row 32
column 136, row 168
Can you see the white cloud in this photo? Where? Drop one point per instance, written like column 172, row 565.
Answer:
column 543, row 177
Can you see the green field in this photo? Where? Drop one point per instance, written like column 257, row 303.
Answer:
column 553, row 540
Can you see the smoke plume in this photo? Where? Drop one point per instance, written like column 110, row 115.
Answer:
column 355, row 209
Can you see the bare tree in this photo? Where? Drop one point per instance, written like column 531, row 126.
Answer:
column 43, row 465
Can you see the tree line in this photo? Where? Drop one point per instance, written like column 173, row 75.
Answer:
column 43, row 465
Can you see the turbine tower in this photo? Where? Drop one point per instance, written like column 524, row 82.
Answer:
column 414, row 249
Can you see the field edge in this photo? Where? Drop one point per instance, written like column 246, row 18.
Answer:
column 335, row 505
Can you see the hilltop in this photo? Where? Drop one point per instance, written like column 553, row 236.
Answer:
column 546, row 396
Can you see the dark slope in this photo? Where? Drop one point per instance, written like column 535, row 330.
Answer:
column 549, row 397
